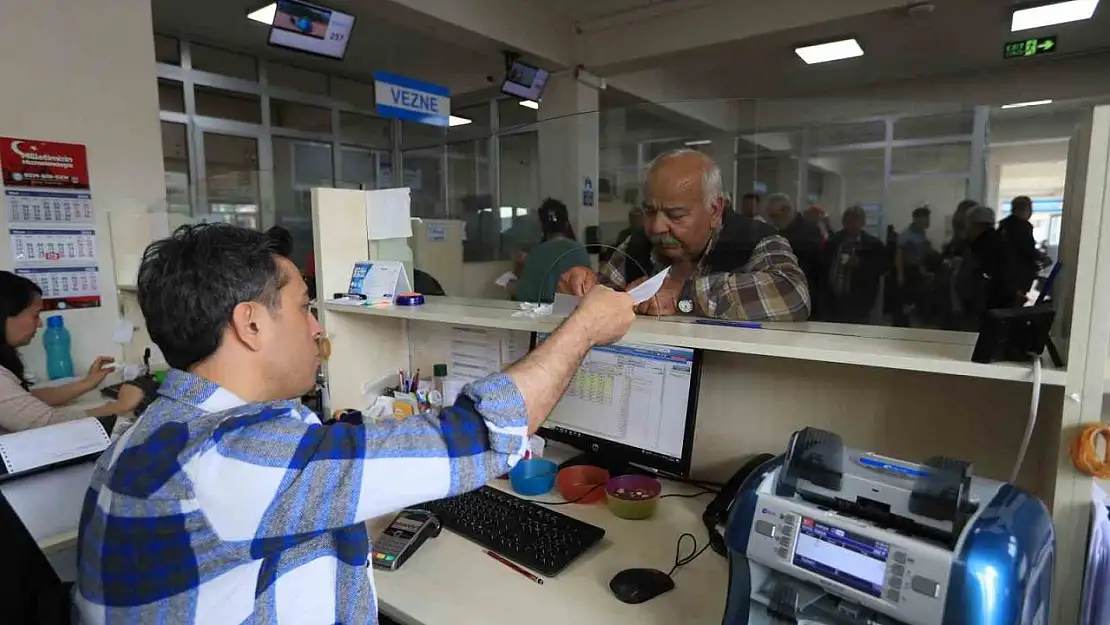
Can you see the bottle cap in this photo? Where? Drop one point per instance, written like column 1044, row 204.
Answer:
column 439, row 371
column 55, row 322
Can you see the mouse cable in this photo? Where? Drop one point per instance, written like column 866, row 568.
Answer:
column 679, row 559
column 690, row 495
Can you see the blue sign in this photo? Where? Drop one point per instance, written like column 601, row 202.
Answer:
column 412, row 100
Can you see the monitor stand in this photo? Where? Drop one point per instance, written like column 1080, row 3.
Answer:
column 613, row 466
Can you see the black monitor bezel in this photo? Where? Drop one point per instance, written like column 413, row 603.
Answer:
column 620, row 453
column 534, row 68
column 280, row 46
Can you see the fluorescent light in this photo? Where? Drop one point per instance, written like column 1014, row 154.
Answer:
column 455, row 120
column 1059, row 13
column 265, row 14
column 530, row 104
column 1018, row 105
column 832, row 51
column 699, row 142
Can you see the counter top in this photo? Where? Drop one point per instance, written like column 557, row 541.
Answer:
column 930, row 351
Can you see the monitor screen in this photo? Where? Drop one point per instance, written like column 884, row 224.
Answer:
column 525, row 82
column 842, row 556
column 635, row 402
column 311, row 28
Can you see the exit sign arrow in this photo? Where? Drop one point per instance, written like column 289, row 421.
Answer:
column 1029, row 47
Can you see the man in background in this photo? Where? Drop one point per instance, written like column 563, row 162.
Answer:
column 635, row 223
column 228, row 501
column 751, row 206
column 1019, row 233
column 910, row 271
column 805, row 239
column 989, row 276
column 854, row 263
column 722, row 264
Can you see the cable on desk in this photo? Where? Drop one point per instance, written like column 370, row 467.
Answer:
column 706, row 484
column 570, row 501
column 690, row 495
column 1084, row 451
column 680, row 560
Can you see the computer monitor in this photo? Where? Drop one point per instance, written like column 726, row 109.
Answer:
column 630, row 404
column 311, row 28
column 525, row 81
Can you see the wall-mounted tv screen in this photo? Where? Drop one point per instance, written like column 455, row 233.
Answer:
column 311, row 28
column 524, row 81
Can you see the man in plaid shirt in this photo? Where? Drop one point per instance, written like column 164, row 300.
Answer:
column 722, row 264
column 228, row 501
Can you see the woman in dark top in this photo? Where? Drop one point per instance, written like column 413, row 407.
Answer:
column 558, row 253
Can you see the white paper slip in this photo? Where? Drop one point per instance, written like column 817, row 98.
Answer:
column 123, row 332
column 504, row 279
column 645, row 290
column 42, row 447
column 564, row 304
column 388, row 214
column 514, row 346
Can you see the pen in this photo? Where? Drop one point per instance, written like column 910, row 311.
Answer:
column 514, row 567
column 401, row 380
column 415, row 382
column 732, row 324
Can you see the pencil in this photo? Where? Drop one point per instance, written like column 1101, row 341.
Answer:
column 515, row 567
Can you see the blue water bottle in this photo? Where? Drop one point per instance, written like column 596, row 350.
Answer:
column 59, row 363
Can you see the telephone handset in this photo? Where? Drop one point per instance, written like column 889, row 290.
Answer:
column 716, row 513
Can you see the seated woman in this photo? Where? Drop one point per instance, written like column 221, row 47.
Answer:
column 23, row 408
column 558, row 253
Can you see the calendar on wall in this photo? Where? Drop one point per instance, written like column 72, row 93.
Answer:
column 47, row 200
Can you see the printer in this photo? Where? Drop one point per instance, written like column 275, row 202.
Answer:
column 829, row 535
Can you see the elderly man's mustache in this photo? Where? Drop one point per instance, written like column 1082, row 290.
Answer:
column 664, row 240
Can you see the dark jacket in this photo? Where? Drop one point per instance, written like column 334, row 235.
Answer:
column 989, row 276
column 737, row 240
column 1019, row 234
column 805, row 239
column 872, row 262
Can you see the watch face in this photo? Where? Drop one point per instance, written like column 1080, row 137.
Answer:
column 686, row 306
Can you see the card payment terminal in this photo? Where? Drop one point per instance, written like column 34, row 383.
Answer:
column 408, row 530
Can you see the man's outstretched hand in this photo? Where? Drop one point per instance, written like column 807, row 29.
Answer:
column 577, row 281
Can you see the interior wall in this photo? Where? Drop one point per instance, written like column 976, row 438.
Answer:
column 83, row 72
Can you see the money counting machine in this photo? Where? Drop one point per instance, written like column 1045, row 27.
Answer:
column 828, row 535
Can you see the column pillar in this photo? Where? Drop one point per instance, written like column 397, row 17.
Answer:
column 569, row 148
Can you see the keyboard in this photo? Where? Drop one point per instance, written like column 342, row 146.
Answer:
column 525, row 532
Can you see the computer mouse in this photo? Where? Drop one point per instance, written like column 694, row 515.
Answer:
column 640, row 585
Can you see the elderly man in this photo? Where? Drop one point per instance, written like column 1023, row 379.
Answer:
column 853, row 264
column 804, row 238
column 722, row 264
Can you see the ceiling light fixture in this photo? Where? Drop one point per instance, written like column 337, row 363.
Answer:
column 455, row 120
column 699, row 142
column 265, row 14
column 1050, row 14
column 1019, row 105
column 831, row 51
column 530, row 104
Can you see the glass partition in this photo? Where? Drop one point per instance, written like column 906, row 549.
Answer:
column 864, row 193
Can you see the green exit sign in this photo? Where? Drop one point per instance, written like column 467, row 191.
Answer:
column 1029, row 47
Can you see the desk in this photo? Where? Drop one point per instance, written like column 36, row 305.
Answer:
column 450, row 576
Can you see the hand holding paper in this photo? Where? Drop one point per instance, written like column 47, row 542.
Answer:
column 645, row 290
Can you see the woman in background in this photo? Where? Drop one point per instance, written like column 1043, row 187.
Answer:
column 557, row 254
column 22, row 408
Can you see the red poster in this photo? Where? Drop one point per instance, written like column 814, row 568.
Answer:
column 27, row 163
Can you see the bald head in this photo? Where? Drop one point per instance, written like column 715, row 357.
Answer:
column 683, row 203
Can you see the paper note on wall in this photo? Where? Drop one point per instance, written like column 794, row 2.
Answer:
column 514, row 346
column 388, row 214
column 475, row 352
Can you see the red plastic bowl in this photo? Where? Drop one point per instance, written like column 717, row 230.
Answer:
column 582, row 483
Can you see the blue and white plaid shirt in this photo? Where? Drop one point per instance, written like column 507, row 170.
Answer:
column 209, row 510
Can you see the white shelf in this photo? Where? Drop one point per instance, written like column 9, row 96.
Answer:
column 947, row 353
